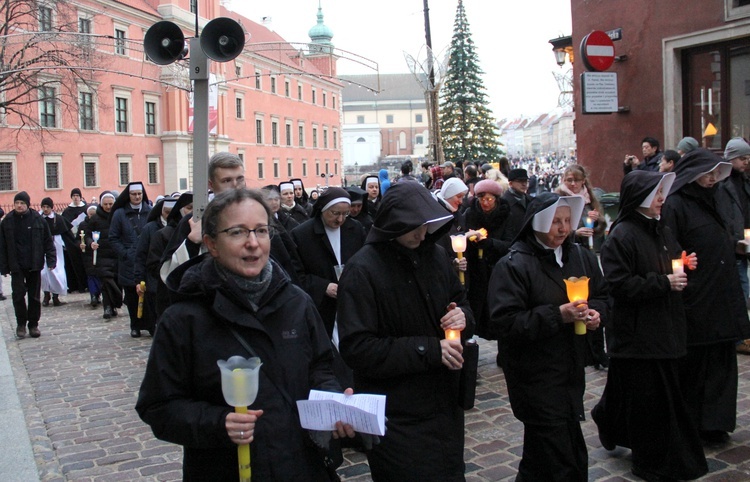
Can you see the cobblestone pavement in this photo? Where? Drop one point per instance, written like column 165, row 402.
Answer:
column 78, row 385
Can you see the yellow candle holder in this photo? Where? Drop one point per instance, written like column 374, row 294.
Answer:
column 452, row 334
column 458, row 243
column 578, row 290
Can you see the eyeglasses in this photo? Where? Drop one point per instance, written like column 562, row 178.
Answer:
column 337, row 214
column 238, row 233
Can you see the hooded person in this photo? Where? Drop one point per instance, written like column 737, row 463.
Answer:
column 385, row 183
column 105, row 267
column 183, row 206
column 290, row 205
column 714, row 303
column 542, row 356
column 54, row 281
column 358, row 209
column 300, row 195
column 129, row 216
column 642, row 406
column 371, row 184
column 396, row 298
column 282, row 217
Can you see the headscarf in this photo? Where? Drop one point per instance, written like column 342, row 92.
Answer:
column 331, row 196
column 639, row 187
column 182, row 201
column 544, row 201
column 696, row 163
column 124, row 198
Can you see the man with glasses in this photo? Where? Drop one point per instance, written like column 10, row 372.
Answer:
column 733, row 202
column 326, row 242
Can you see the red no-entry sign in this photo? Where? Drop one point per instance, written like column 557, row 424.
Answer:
column 597, row 51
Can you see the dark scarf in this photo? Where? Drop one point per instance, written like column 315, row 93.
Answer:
column 252, row 289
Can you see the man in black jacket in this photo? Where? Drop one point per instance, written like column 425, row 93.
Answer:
column 25, row 242
column 651, row 157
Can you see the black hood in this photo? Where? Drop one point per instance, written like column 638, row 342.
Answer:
column 691, row 165
column 124, row 198
column 538, row 204
column 305, row 197
column 405, row 207
column 635, row 188
column 155, row 213
column 182, row 201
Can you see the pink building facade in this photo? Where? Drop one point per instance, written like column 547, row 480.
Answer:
column 126, row 119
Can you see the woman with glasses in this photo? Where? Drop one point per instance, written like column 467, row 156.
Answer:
column 230, row 301
column 488, row 211
column 575, row 182
column 326, row 241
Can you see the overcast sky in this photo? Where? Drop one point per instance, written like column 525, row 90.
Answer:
column 511, row 39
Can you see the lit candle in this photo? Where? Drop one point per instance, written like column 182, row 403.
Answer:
column 95, row 237
column 678, row 267
column 747, row 240
column 458, row 243
column 578, row 290
column 452, row 334
column 589, row 223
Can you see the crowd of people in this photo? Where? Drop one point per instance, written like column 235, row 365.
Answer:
column 360, row 289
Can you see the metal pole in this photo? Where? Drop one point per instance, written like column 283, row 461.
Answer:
column 199, row 75
column 432, row 107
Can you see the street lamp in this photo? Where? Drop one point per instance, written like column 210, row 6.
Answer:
column 562, row 46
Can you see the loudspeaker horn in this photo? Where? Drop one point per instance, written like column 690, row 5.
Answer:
column 164, row 43
column 222, row 39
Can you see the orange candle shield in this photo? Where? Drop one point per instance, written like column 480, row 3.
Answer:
column 578, row 290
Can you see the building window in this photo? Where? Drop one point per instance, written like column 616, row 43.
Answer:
column 275, row 168
column 333, row 101
column 121, row 115
column 151, row 118
column 273, row 85
column 45, row 19
column 47, row 106
column 335, row 168
column 317, row 168
column 314, row 96
column 241, row 155
column 290, row 168
column 238, row 70
column 324, row 99
column 325, row 138
column 389, row 119
column 86, row 111
column 6, row 176
column 315, row 136
column 402, row 140
column 299, row 91
column 193, row 6
column 89, row 174
column 418, row 118
column 301, row 135
column 120, row 41
column 257, row 80
column 304, row 167
column 287, row 88
column 239, row 110
column 288, row 134
column 335, row 140
column 419, row 140
column 84, row 26
column 52, row 175
column 124, row 173
column 258, row 131
column 153, row 171
column 360, row 119
column 260, row 169
column 274, row 133
column 361, row 139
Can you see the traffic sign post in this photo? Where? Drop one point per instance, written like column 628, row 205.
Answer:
column 597, row 51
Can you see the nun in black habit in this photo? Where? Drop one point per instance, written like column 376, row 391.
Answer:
column 642, row 406
column 714, row 303
column 532, row 318
column 396, row 297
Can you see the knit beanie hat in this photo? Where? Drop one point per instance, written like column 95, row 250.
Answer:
column 736, row 147
column 687, row 144
column 48, row 202
column 452, row 187
column 75, row 191
column 22, row 196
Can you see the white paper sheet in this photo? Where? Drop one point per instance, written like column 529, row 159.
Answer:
column 364, row 412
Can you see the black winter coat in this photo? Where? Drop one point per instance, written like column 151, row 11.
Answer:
column 544, row 357
column 124, row 231
column 319, row 259
column 514, row 223
column 181, row 397
column 648, row 318
column 38, row 245
column 106, row 258
column 390, row 301
column 714, row 302
column 732, row 203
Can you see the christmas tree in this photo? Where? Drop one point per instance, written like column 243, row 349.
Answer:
column 467, row 127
